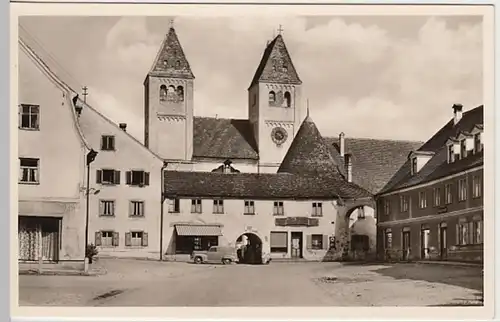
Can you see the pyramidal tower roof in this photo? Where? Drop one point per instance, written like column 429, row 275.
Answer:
column 170, row 60
column 276, row 65
column 308, row 153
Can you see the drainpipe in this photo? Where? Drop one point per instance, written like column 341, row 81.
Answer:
column 162, row 200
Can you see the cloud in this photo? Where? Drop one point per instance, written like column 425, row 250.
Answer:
column 361, row 78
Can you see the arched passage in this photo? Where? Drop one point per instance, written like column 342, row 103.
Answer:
column 249, row 248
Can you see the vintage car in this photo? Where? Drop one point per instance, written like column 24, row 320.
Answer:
column 215, row 254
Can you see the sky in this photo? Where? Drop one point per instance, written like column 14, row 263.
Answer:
column 383, row 77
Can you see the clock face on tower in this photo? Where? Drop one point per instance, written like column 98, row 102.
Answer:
column 279, row 135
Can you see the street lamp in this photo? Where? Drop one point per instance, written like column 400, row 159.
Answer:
column 162, row 200
column 90, row 158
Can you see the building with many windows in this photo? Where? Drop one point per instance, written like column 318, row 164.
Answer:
column 433, row 206
column 271, row 182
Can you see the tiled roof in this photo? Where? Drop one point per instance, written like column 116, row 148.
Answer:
column 374, row 161
column 438, row 167
column 308, row 153
column 276, row 66
column 223, row 139
column 259, row 186
column 170, row 60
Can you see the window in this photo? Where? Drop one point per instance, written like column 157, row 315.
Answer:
column 437, row 197
column 477, row 236
column 316, row 242
column 463, row 233
column 388, row 239
column 188, row 244
column 180, row 93
column 387, row 207
column 174, row 205
column 462, row 190
column 278, row 208
column 171, row 94
column 451, row 153
column 403, row 203
column 414, row 166
column 279, row 242
column 137, row 178
column 422, row 199
column 463, row 149
column 196, row 206
column 29, row 172
column 136, row 239
column 218, row 206
column 106, row 207
column 448, row 194
column 136, row 208
column 249, row 207
column 108, row 176
column 30, row 115
column 477, row 143
column 163, row 92
column 288, row 99
column 476, row 187
column 317, row 210
column 272, row 97
column 108, row 143
column 106, row 238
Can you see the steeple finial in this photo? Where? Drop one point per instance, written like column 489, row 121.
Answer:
column 280, row 30
column 307, row 108
column 171, row 23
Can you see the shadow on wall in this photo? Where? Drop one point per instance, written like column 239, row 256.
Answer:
column 467, row 277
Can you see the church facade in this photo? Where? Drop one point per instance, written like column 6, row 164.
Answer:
column 271, row 183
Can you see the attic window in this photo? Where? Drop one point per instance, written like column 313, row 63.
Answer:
column 178, row 64
column 451, row 153
column 477, row 143
column 165, row 62
column 285, row 68
column 463, row 149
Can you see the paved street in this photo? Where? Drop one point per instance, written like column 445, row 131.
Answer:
column 143, row 283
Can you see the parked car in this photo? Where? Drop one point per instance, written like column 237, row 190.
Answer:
column 215, row 254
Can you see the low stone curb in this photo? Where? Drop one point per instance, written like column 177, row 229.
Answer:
column 444, row 263
column 95, row 272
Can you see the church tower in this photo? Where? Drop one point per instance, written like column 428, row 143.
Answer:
column 168, row 102
column 274, row 104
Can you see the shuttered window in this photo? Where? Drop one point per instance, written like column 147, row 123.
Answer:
column 279, row 242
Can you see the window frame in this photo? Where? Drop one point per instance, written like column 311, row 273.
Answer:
column 105, row 142
column 462, row 190
column 141, row 206
column 174, row 205
column 448, row 194
column 218, row 206
column 277, row 205
column 102, row 207
column 436, row 200
column 319, row 242
column 317, row 209
column 477, row 187
column 32, row 171
column 196, row 206
column 249, row 207
column 422, row 199
column 279, row 250
column 30, row 115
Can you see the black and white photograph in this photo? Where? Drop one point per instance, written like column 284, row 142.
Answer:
column 248, row 159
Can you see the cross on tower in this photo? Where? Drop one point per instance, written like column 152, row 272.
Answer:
column 171, row 23
column 85, row 88
column 280, row 30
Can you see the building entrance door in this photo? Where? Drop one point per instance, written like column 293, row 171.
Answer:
column 406, row 245
column 424, row 243
column 442, row 240
column 296, row 249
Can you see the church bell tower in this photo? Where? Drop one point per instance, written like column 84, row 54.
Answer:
column 168, row 102
column 274, row 99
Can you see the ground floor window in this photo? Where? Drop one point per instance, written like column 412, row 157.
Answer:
column 136, row 239
column 279, row 242
column 188, row 244
column 477, row 236
column 316, row 242
column 388, row 239
column 39, row 237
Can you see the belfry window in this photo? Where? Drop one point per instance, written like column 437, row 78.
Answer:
column 180, row 93
column 288, row 99
column 163, row 93
column 171, row 94
column 272, row 97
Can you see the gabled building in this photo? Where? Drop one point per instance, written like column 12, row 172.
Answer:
column 51, row 219
column 432, row 208
column 294, row 213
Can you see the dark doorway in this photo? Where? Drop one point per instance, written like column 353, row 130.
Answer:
column 250, row 249
column 425, row 234
column 406, row 245
column 296, row 249
column 443, row 237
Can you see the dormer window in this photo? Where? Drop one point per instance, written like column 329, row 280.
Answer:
column 478, row 146
column 463, row 149
column 414, row 168
column 454, row 147
column 451, row 153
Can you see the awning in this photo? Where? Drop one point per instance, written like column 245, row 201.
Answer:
column 198, row 230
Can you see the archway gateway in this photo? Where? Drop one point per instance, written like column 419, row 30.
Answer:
column 249, row 249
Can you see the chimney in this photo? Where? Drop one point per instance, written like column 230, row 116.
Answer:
column 123, row 126
column 342, row 143
column 348, row 166
column 457, row 113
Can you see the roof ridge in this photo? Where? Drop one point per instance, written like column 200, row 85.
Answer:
column 375, row 139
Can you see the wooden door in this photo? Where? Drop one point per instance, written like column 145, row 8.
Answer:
column 296, row 245
column 424, row 243
column 406, row 244
column 444, row 246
